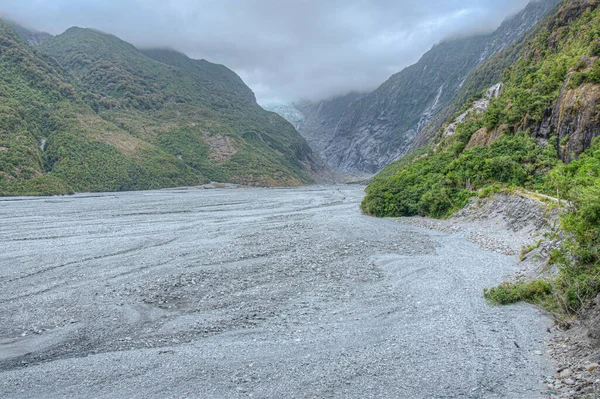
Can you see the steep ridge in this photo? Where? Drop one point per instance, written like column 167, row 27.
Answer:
column 166, row 99
column 136, row 120
column 486, row 75
column 54, row 143
column 35, row 95
column 381, row 126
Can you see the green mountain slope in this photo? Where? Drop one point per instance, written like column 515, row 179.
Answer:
column 31, row 89
column 170, row 101
column 538, row 134
column 53, row 143
column 85, row 111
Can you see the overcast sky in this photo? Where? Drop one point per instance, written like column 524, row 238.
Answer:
column 284, row 50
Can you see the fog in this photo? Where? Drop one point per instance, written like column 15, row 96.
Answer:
column 284, row 50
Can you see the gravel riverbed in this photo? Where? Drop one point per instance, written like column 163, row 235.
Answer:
column 263, row 293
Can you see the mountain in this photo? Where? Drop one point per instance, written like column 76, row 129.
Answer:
column 320, row 119
column 487, row 74
column 87, row 111
column 543, row 115
column 537, row 133
column 381, row 126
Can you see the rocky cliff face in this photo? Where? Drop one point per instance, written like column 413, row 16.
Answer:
column 486, row 74
column 320, row 119
column 380, row 127
column 574, row 119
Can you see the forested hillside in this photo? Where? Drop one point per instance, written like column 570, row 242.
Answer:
column 86, row 111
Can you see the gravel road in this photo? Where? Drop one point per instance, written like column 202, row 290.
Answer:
column 263, row 293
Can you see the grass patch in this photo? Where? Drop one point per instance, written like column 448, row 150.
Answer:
column 535, row 291
column 528, row 249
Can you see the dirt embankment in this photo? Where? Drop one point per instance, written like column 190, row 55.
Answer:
column 507, row 224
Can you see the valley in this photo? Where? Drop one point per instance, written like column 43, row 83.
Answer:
column 164, row 235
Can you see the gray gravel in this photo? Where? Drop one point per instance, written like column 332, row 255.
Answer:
column 264, row 293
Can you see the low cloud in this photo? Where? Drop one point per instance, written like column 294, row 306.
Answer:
column 284, row 50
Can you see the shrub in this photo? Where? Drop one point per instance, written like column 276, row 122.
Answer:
column 535, row 291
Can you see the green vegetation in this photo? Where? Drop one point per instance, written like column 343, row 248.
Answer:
column 536, row 292
column 442, row 179
column 155, row 94
column 578, row 258
column 40, row 185
column 529, row 248
column 86, row 111
column 438, row 184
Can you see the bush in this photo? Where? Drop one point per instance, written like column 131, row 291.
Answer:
column 578, row 258
column 488, row 191
column 41, row 185
column 535, row 291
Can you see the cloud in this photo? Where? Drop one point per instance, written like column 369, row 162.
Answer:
column 284, row 50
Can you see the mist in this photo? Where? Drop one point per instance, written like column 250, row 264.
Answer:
column 285, row 51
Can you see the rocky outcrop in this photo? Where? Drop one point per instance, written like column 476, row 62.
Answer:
column 222, row 148
column 483, row 137
column 578, row 120
column 574, row 120
column 478, row 106
column 381, row 127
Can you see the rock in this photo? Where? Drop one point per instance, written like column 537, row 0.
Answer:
column 570, row 381
column 566, row 373
column 592, row 367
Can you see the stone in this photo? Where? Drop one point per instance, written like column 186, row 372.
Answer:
column 566, row 373
column 592, row 367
